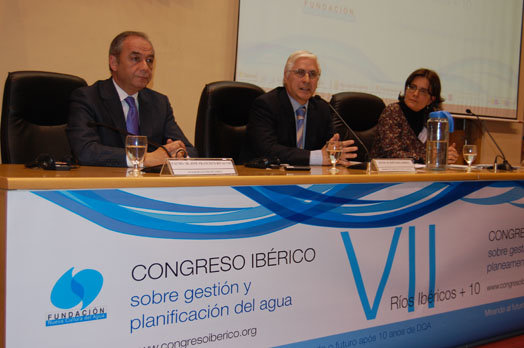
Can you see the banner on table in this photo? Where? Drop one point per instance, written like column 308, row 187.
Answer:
column 337, row 265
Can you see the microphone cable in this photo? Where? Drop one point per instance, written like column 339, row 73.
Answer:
column 505, row 164
column 367, row 154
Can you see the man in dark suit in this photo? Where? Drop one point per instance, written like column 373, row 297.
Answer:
column 290, row 123
column 115, row 102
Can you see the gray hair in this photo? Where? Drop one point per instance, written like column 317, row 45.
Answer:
column 297, row 55
column 115, row 48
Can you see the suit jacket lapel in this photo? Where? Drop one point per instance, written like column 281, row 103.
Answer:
column 113, row 106
column 311, row 124
column 145, row 109
column 289, row 116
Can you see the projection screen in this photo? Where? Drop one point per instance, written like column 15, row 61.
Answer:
column 373, row 45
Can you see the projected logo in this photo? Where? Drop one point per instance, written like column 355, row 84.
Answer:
column 70, row 291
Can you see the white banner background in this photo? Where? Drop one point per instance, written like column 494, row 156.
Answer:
column 316, row 299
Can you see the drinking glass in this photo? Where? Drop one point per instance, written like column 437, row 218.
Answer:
column 469, row 152
column 136, row 146
column 334, row 150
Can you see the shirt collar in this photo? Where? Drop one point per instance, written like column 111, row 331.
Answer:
column 122, row 94
column 296, row 104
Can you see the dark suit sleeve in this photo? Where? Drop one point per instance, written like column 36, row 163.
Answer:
column 86, row 142
column 269, row 136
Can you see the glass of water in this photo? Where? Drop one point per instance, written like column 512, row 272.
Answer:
column 470, row 153
column 136, row 146
column 334, row 150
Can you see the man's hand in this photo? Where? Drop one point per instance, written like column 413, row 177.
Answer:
column 348, row 152
column 176, row 149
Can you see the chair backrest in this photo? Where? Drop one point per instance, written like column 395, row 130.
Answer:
column 222, row 118
column 361, row 112
column 34, row 115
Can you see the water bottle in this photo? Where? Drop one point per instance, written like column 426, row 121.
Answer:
column 440, row 124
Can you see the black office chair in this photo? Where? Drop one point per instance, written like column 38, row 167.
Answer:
column 222, row 118
column 34, row 115
column 361, row 112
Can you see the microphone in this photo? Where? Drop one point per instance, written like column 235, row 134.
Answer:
column 92, row 124
column 367, row 157
column 505, row 164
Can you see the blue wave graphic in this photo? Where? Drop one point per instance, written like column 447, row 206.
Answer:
column 70, row 290
column 277, row 207
column 510, row 196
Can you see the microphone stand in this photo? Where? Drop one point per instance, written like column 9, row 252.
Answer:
column 505, row 164
column 367, row 156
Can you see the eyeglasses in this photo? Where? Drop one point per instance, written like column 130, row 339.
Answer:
column 422, row 91
column 313, row 74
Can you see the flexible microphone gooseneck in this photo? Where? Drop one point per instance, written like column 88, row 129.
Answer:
column 123, row 132
column 505, row 164
column 367, row 158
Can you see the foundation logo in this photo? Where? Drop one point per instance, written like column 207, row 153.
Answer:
column 70, row 291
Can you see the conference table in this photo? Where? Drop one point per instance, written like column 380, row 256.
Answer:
column 95, row 257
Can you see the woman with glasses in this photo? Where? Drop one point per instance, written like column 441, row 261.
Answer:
column 401, row 130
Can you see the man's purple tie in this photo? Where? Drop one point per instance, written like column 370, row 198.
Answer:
column 132, row 117
column 301, row 113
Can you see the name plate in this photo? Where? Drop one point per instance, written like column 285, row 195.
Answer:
column 199, row 166
column 393, row 165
